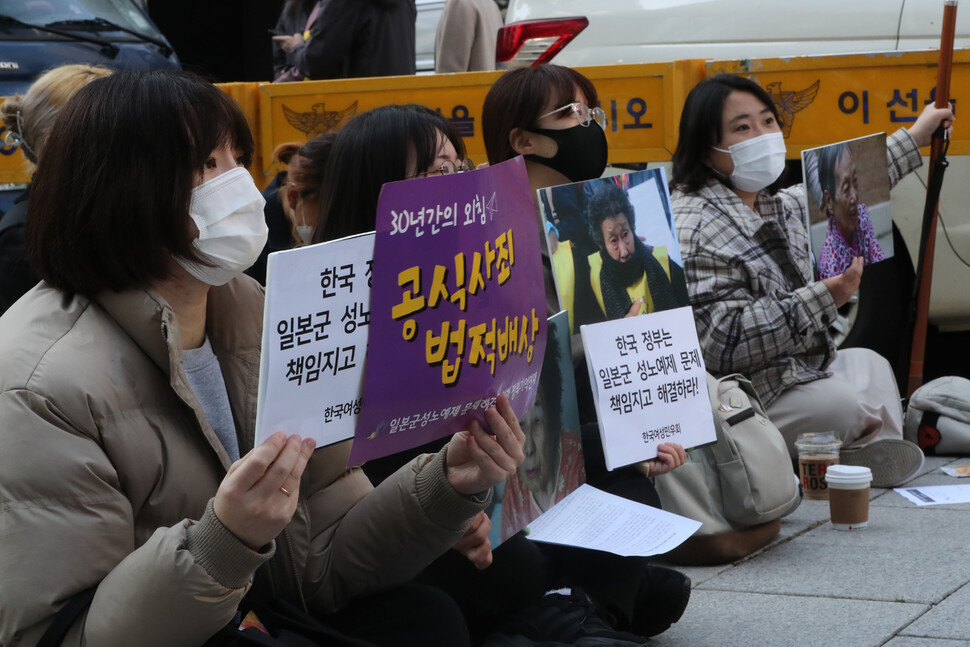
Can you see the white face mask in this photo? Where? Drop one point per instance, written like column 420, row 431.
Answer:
column 757, row 162
column 228, row 210
column 304, row 231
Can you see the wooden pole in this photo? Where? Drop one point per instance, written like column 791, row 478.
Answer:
column 925, row 270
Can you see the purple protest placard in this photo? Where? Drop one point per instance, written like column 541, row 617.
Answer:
column 458, row 311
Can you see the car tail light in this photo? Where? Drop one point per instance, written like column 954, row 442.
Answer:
column 534, row 42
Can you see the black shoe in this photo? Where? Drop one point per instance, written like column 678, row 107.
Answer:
column 660, row 602
column 560, row 619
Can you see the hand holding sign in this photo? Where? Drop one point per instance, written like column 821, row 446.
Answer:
column 255, row 501
column 475, row 545
column 670, row 456
column 478, row 460
column 648, row 380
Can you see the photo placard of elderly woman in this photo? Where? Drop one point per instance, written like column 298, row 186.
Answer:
column 849, row 211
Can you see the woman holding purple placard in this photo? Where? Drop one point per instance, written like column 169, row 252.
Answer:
column 399, row 142
column 128, row 477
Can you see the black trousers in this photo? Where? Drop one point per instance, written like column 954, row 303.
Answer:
column 522, row 570
column 413, row 615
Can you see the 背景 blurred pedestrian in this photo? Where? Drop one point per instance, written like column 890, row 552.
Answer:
column 466, row 36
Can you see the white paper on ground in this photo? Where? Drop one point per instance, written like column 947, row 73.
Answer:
column 936, row 494
column 960, row 471
column 591, row 518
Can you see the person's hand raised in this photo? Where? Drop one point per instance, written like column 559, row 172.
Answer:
column 258, row 496
column 477, row 460
column 927, row 123
column 844, row 285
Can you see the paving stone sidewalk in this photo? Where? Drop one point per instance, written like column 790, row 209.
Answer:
column 902, row 582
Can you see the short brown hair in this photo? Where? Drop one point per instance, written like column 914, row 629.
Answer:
column 110, row 199
column 518, row 98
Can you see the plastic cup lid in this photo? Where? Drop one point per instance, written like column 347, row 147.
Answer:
column 848, row 474
column 817, row 440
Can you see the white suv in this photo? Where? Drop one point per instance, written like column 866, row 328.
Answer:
column 581, row 32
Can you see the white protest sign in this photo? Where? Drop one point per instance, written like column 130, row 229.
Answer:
column 591, row 518
column 649, row 384
column 315, row 327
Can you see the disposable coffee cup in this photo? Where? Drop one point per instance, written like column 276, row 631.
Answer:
column 849, row 496
column 816, row 453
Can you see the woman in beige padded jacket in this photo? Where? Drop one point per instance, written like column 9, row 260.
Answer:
column 128, row 394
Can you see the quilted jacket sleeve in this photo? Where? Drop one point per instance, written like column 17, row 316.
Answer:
column 364, row 540
column 66, row 525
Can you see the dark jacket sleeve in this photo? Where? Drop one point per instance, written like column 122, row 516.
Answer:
column 16, row 276
column 332, row 37
column 279, row 56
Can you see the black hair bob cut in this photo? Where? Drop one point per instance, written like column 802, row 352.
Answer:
column 109, row 204
column 382, row 145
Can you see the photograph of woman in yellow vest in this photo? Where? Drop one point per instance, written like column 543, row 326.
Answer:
column 634, row 266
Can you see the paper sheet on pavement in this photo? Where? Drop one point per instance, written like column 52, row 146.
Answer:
column 959, row 471
column 936, row 494
column 591, row 518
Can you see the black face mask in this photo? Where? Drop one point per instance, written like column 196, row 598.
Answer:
column 582, row 151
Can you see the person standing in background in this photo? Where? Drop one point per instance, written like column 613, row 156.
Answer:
column 360, row 38
column 289, row 38
column 466, row 36
column 28, row 119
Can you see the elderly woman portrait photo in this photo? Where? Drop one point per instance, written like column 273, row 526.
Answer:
column 851, row 193
column 630, row 276
column 630, row 260
column 553, row 464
